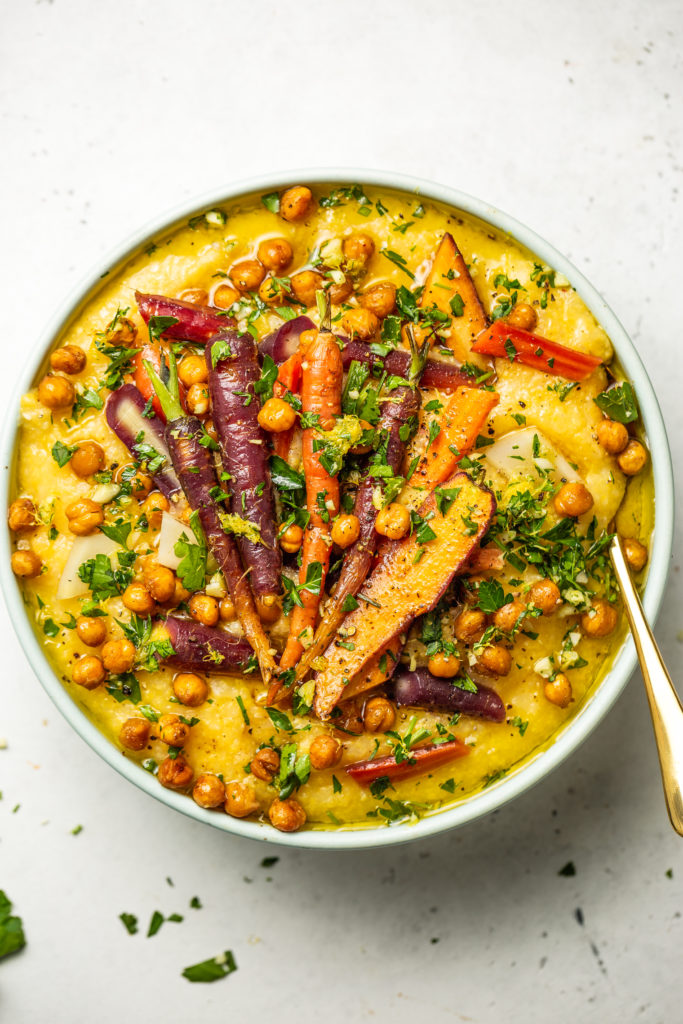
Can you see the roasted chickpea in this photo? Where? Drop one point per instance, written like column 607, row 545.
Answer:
column 227, row 610
column 208, row 791
column 559, row 691
column 296, row 203
column 197, row 296
column 286, row 815
column 56, row 392
column 358, row 247
column 522, row 315
column 573, row 499
column 324, row 752
column 379, row 715
column 204, row 609
column 600, row 620
column 160, row 581
column 444, row 665
column 545, row 595
column 268, row 607
column 180, row 594
column 304, row 286
column 21, row 516
column 88, row 672
column 507, row 617
column 193, row 370
column 247, row 275
column 273, row 290
column 632, row 459
column 339, row 293
column 275, row 254
column 137, row 598
column 240, row 800
column 190, row 689
column 140, row 483
column 225, row 296
column 118, row 656
column 612, row 436
column 469, row 625
column 175, row 773
column 276, row 415
column 345, row 530
column 154, row 507
column 635, row 554
column 87, row 459
column 360, row 323
column 91, row 630
column 265, row 764
column 123, row 332
column 26, row 563
column 68, row 359
column 380, row 299
column 495, row 660
column 172, row 731
column 197, row 399
column 134, row 734
column 291, row 539
column 393, row 521
column 84, row 516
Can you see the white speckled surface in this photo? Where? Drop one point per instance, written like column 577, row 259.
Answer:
column 570, row 118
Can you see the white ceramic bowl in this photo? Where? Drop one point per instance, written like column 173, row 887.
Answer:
column 567, row 738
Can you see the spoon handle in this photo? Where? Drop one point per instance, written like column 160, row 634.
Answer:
column 665, row 706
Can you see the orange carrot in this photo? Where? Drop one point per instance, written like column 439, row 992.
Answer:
column 288, row 380
column 321, row 389
column 378, row 670
column 451, row 289
column 409, row 580
column 462, row 419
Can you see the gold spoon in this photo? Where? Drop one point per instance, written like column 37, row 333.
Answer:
column 665, row 707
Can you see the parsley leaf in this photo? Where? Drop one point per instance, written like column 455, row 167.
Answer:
column 619, row 403
column 61, row 453
column 12, row 937
column 212, row 970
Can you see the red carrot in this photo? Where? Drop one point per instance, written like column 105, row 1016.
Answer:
column 193, row 323
column 513, row 343
column 418, row 761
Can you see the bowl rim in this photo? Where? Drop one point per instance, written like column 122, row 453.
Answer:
column 534, row 767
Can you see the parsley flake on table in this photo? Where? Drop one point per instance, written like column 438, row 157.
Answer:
column 12, row 937
column 211, row 970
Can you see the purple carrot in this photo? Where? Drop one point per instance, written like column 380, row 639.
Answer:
column 194, row 323
column 204, row 648
column 436, row 374
column 233, row 370
column 194, row 466
column 421, row 689
column 284, row 342
column 124, row 410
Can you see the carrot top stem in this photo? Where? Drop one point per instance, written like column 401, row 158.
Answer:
column 418, row 356
column 168, row 394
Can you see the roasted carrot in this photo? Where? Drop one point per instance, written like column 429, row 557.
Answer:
column 194, row 467
column 462, row 419
column 191, row 322
column 409, row 579
column 513, row 343
column 398, row 410
column 321, row 390
column 451, row 289
column 379, row 669
column 419, row 760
